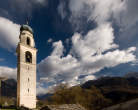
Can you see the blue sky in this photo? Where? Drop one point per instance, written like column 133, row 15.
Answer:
column 77, row 40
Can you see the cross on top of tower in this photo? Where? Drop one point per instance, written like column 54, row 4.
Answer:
column 26, row 26
column 27, row 22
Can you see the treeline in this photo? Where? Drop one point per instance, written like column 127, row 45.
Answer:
column 96, row 94
column 91, row 99
column 6, row 101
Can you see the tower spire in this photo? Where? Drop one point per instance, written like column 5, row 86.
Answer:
column 28, row 19
column 26, row 68
column 27, row 22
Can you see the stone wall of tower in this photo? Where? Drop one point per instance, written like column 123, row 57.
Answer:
column 26, row 75
column 23, row 37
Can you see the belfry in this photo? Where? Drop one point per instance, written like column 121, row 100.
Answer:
column 26, row 68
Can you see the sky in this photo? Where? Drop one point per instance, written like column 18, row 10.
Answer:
column 77, row 40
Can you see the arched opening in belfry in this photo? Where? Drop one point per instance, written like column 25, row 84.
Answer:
column 28, row 57
column 28, row 41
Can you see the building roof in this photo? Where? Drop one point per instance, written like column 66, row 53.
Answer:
column 27, row 28
column 63, row 107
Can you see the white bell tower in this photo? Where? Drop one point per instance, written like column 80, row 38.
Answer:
column 26, row 68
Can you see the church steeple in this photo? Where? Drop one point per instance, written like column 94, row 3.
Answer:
column 27, row 28
column 26, row 68
column 26, row 36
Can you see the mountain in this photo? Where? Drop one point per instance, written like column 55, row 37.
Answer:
column 9, row 88
column 44, row 96
column 111, row 81
column 129, row 105
column 118, row 89
column 131, row 74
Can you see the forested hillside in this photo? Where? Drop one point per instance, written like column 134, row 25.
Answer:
column 93, row 95
column 96, row 94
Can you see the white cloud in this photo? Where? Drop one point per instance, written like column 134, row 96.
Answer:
column 83, row 58
column 101, row 38
column 123, row 12
column 58, row 49
column 9, row 73
column 89, row 77
column 97, row 10
column 50, row 40
column 9, row 34
column 128, row 17
column 62, row 10
column 128, row 22
column 96, row 50
column 40, row 89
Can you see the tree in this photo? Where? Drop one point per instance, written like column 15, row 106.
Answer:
column 92, row 99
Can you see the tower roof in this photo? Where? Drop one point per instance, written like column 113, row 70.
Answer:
column 27, row 28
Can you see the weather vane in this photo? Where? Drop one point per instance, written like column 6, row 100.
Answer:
column 27, row 22
column 28, row 19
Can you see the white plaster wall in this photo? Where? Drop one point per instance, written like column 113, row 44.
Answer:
column 25, row 71
column 23, row 37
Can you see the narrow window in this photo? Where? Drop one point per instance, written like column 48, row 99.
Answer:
column 28, row 41
column 28, row 57
column 28, row 89
column 27, row 67
column 28, row 79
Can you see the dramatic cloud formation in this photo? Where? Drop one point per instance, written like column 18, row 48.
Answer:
column 94, row 51
column 9, row 34
column 84, row 58
column 8, row 72
column 123, row 12
column 94, row 11
column 128, row 21
column 97, row 10
column 128, row 17
column 20, row 10
column 89, row 52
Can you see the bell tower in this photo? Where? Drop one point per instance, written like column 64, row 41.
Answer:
column 26, row 68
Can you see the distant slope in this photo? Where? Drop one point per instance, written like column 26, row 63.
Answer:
column 129, row 105
column 9, row 88
column 132, row 74
column 118, row 89
column 44, row 96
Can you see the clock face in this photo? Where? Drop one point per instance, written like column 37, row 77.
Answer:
column 28, row 56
